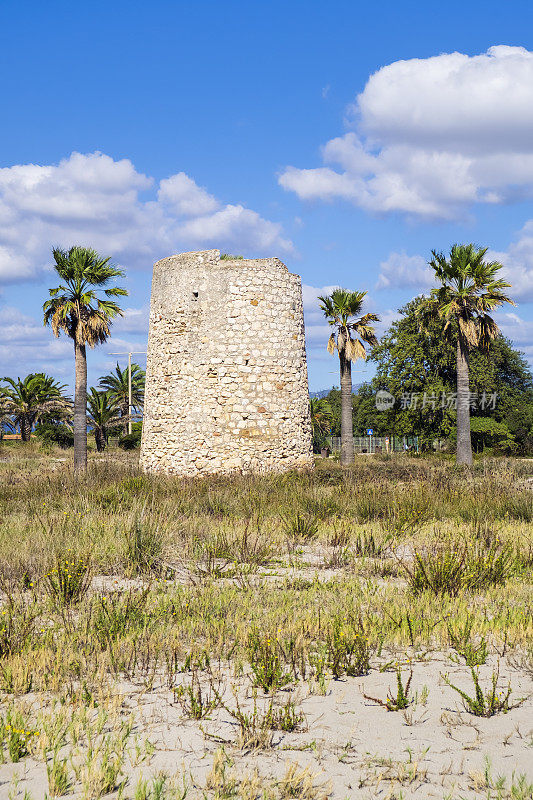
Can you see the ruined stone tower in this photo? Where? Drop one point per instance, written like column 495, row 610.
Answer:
column 226, row 379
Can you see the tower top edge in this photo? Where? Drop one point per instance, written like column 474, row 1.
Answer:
column 212, row 258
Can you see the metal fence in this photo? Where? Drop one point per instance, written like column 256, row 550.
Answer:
column 378, row 444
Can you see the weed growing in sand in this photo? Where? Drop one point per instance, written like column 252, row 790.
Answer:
column 157, row 789
column 58, row 775
column 143, row 546
column 347, row 647
column 264, row 656
column 16, row 734
column 196, row 702
column 285, row 717
column 485, row 703
column 301, row 527
column 449, row 569
column 69, row 580
column 461, row 641
column 500, row 788
column 401, row 700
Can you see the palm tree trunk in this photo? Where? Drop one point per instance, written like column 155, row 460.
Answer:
column 25, row 428
column 124, row 411
column 80, row 409
column 346, row 408
column 100, row 439
column 464, row 443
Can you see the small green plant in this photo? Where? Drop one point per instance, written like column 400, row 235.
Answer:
column 153, row 790
column 58, row 775
column 449, row 568
column 401, row 700
column 366, row 544
column 143, row 547
column 301, row 527
column 461, row 641
column 264, row 656
column 68, row 581
column 347, row 648
column 285, row 717
column 15, row 734
column 196, row 702
column 485, row 703
column 116, row 614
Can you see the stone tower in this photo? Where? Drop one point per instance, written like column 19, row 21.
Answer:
column 226, row 379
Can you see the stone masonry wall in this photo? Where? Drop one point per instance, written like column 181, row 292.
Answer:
column 226, row 381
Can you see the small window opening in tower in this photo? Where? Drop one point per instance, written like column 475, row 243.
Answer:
column 195, row 295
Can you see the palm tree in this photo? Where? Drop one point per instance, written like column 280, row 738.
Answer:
column 469, row 290
column 76, row 309
column 117, row 384
column 27, row 401
column 321, row 419
column 321, row 414
column 102, row 413
column 350, row 338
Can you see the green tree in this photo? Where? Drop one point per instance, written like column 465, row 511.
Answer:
column 469, row 289
column 418, row 367
column 117, row 384
column 352, row 333
column 28, row 400
column 75, row 308
column 103, row 413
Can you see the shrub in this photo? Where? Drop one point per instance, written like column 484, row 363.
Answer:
column 69, row 580
column 54, row 433
column 265, row 661
column 348, row 650
column 401, row 700
column 488, row 703
column 448, row 569
column 143, row 547
column 301, row 527
column 130, row 441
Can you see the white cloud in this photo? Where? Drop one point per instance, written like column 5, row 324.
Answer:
column 433, row 136
column 94, row 200
column 518, row 263
column 401, row 270
column 25, row 346
column 519, row 330
column 183, row 195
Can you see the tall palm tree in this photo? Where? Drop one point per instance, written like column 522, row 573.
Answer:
column 352, row 333
column 102, row 414
column 117, row 384
column 469, row 289
column 76, row 309
column 27, row 401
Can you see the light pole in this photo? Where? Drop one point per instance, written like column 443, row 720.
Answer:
column 129, row 354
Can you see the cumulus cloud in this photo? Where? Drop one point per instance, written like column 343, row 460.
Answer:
column 401, row 270
column 24, row 343
column 519, row 330
column 518, row 263
column 94, row 200
column 431, row 137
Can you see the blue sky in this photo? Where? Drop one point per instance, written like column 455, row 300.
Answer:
column 349, row 139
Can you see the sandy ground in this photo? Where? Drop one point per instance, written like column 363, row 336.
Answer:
column 354, row 747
